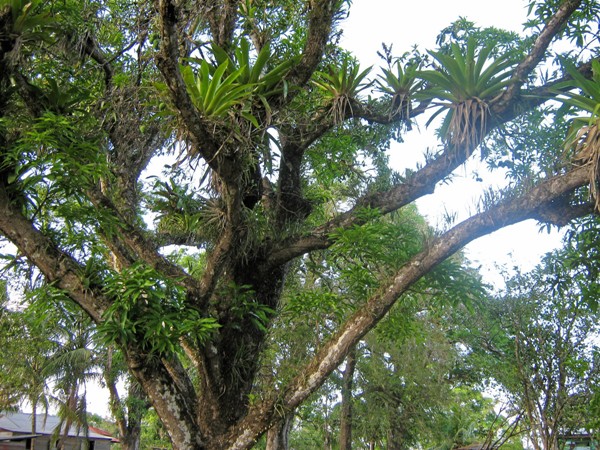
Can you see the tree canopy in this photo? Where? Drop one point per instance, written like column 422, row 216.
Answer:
column 277, row 183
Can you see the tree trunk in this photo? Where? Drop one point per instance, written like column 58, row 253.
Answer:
column 132, row 440
column 395, row 438
column 346, row 413
column 129, row 424
column 33, row 422
column 173, row 402
column 397, row 433
column 278, row 434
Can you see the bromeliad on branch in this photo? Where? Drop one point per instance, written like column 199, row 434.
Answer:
column 465, row 82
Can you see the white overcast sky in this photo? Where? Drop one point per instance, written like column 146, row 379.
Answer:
column 404, row 24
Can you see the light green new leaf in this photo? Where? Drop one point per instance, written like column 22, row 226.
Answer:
column 215, row 94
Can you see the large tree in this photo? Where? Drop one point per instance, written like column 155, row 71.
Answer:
column 279, row 156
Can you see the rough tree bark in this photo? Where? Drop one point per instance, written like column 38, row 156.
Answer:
column 128, row 417
column 278, row 434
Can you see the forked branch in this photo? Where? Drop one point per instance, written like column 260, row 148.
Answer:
column 333, row 352
column 130, row 242
column 167, row 61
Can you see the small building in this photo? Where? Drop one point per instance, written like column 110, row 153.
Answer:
column 581, row 441
column 16, row 433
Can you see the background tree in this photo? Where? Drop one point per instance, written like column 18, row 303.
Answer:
column 52, row 355
column 28, row 347
column 402, row 381
column 540, row 338
column 48, row 357
column 280, row 156
column 128, row 412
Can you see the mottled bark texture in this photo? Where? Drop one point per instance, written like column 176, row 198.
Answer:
column 278, row 434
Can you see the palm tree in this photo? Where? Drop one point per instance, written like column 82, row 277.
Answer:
column 26, row 350
column 72, row 365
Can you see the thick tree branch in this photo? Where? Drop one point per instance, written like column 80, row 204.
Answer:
column 320, row 21
column 167, row 61
column 332, row 354
column 216, row 262
column 209, row 415
column 525, row 67
column 130, row 244
column 90, row 47
column 362, row 111
column 181, row 378
column 165, row 238
column 171, row 403
column 560, row 212
column 132, row 148
column 506, row 213
column 295, row 141
column 527, row 100
column 58, row 267
column 290, row 202
column 222, row 16
column 417, row 184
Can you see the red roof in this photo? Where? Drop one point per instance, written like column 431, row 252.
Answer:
column 103, row 433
